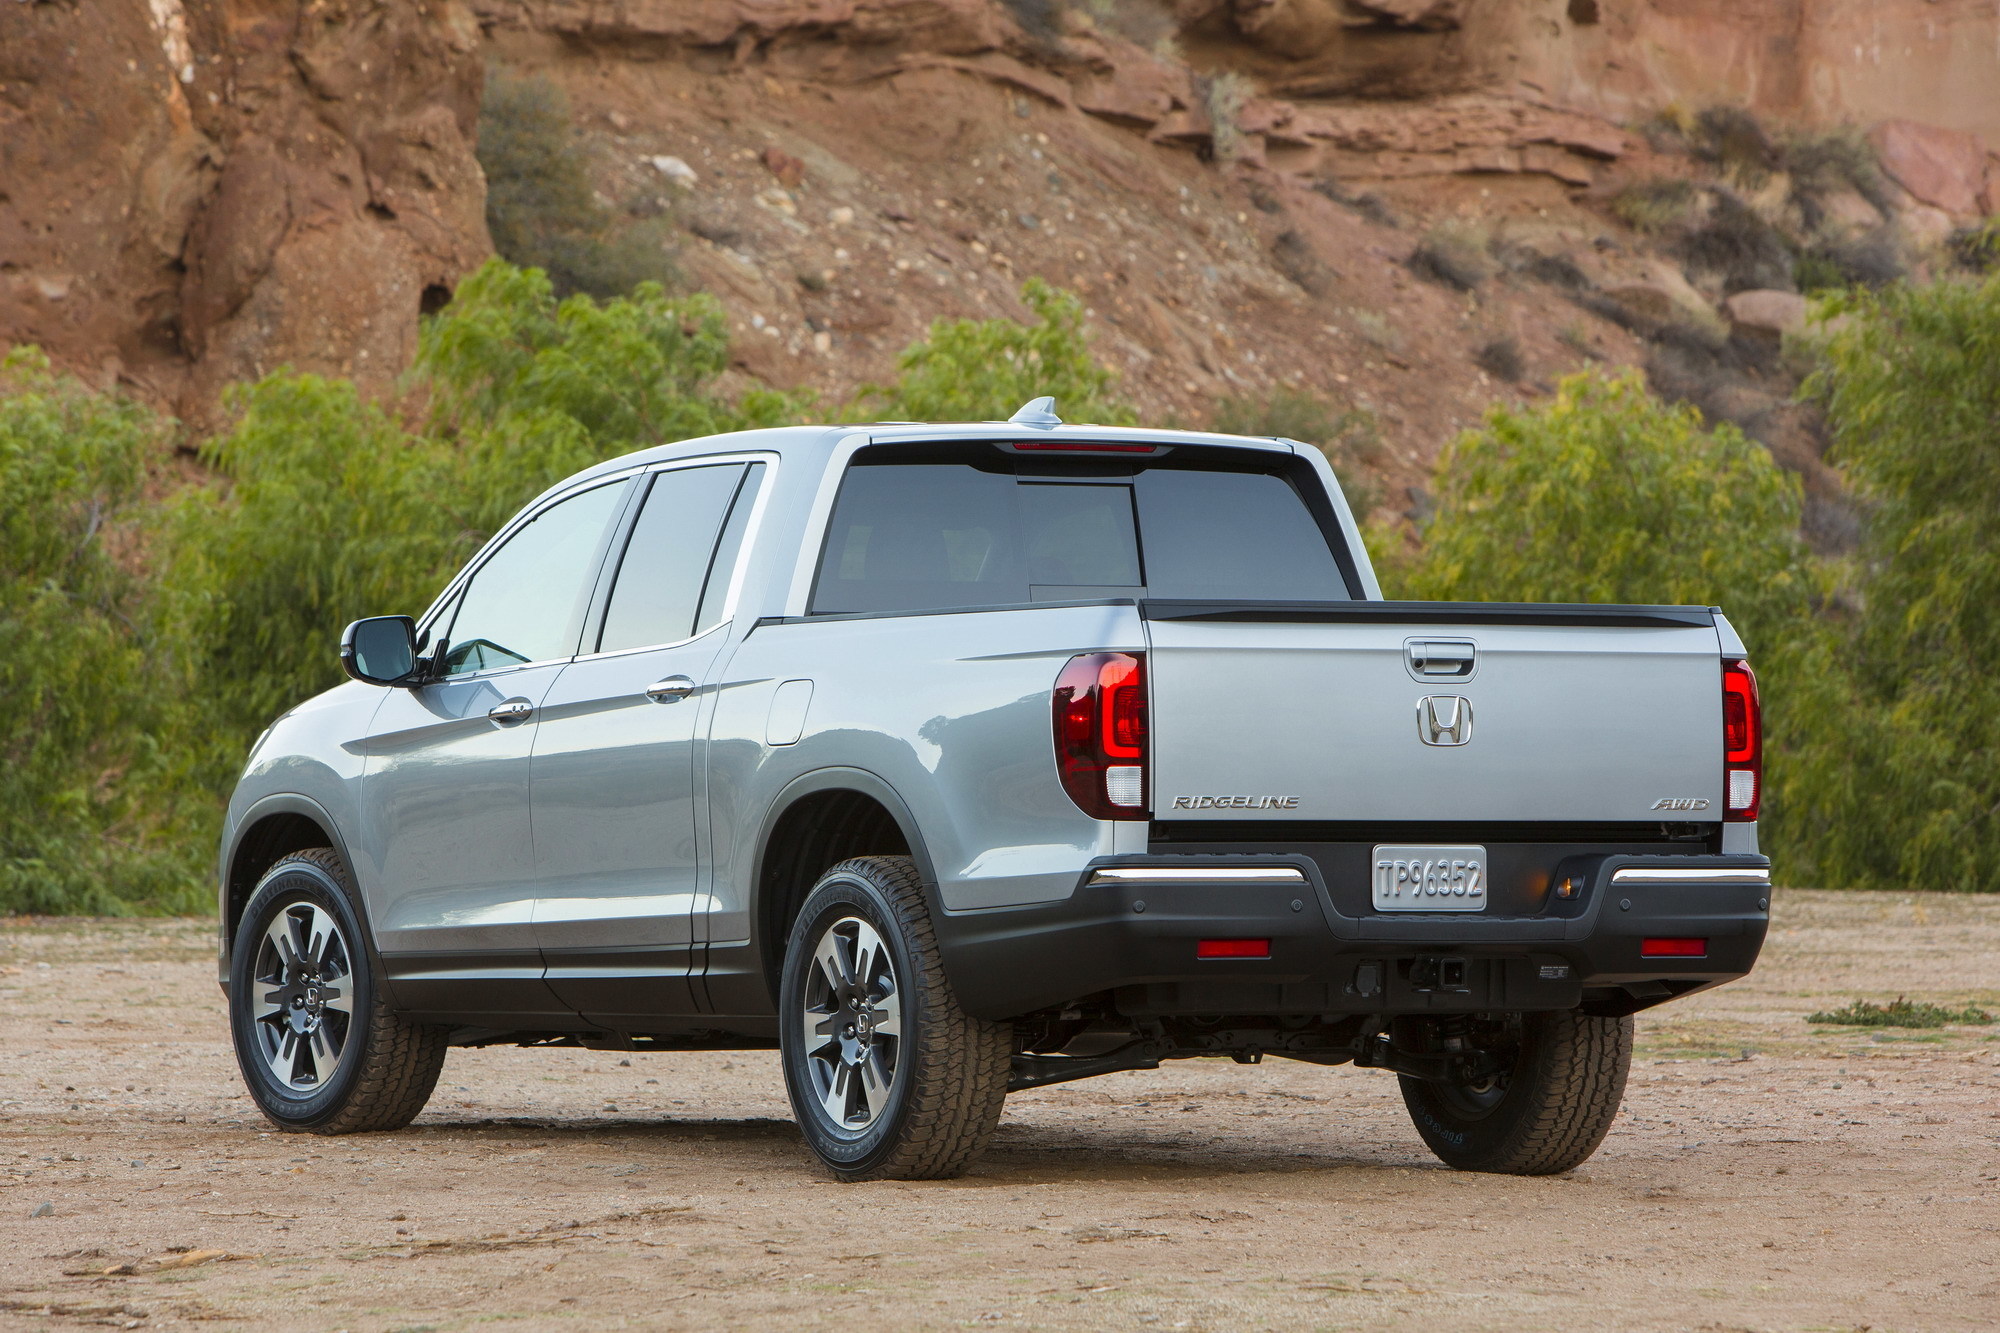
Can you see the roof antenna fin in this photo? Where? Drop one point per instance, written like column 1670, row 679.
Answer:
column 1037, row 412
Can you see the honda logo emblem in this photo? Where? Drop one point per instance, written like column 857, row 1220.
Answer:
column 1444, row 719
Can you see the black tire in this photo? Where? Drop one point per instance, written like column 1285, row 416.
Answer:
column 1544, row 1116
column 945, row 1072
column 378, row 1068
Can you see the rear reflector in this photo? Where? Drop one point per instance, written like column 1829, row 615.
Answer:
column 1233, row 949
column 1665, row 948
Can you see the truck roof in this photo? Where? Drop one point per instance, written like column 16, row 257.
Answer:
column 799, row 441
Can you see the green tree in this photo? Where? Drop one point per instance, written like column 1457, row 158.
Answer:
column 1607, row 494
column 74, row 662
column 984, row 369
column 539, row 388
column 328, row 508
column 328, row 511
column 1911, row 387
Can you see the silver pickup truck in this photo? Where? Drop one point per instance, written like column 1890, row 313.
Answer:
column 950, row 760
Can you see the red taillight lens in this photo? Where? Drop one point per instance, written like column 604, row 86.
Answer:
column 1742, row 743
column 1232, row 949
column 1100, row 721
column 1673, row 948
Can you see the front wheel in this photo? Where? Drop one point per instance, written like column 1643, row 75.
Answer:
column 319, row 1047
column 1546, row 1108
column 889, row 1078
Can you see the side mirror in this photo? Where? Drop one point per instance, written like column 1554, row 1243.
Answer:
column 381, row 650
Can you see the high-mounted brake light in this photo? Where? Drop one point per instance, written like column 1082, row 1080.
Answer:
column 1742, row 743
column 1100, row 723
column 1085, row 447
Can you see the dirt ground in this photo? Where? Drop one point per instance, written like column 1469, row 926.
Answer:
column 1766, row 1174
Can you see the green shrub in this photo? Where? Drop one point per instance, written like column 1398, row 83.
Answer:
column 331, row 509
column 1654, row 206
column 1825, row 162
column 1733, row 140
column 1869, row 259
column 1909, row 792
column 76, row 673
column 1607, row 494
column 1976, row 248
column 329, row 512
column 1740, row 247
column 540, row 206
column 1348, row 437
column 1899, row 1013
column 985, row 369
column 1452, row 255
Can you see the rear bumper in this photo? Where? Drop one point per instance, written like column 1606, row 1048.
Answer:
column 1135, row 933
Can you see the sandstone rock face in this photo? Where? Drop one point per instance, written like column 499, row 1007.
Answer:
column 1803, row 61
column 196, row 194
column 1943, row 168
column 1765, row 314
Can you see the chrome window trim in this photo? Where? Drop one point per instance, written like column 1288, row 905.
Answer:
column 1178, row 874
column 622, row 476
column 1665, row 875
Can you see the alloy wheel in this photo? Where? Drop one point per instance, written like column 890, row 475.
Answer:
column 852, row 1024
column 303, row 1004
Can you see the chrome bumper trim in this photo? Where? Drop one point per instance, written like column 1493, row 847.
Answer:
column 1184, row 874
column 1663, row 875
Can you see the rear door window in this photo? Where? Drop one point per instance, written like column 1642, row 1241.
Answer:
column 937, row 535
column 666, row 560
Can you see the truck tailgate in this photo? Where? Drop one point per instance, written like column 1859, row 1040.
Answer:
column 1318, row 711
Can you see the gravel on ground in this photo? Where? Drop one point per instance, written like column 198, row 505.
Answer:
column 1766, row 1173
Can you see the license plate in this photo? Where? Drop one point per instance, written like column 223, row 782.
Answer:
column 1429, row 879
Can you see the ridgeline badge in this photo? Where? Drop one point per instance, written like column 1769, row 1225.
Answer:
column 1236, row 802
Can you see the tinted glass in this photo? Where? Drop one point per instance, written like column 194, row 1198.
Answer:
column 923, row 536
column 666, row 560
column 720, row 571
column 919, row 536
column 1243, row 536
column 525, row 602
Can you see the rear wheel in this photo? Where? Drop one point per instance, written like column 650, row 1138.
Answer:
column 318, row 1046
column 1544, row 1110
column 889, row 1078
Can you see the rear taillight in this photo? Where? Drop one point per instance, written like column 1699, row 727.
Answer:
column 1742, row 743
column 1100, row 719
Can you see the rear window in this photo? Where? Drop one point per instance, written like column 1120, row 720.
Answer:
column 920, row 536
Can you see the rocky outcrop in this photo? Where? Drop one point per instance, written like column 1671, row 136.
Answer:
column 1802, row 61
column 192, row 195
column 1946, row 169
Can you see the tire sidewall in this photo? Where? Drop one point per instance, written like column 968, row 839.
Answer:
column 1460, row 1139
column 844, row 893
column 287, row 883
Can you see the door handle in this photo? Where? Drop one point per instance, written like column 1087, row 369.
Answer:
column 507, row 714
column 670, row 689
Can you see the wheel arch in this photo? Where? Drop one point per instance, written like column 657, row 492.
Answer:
column 819, row 820
column 270, row 830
